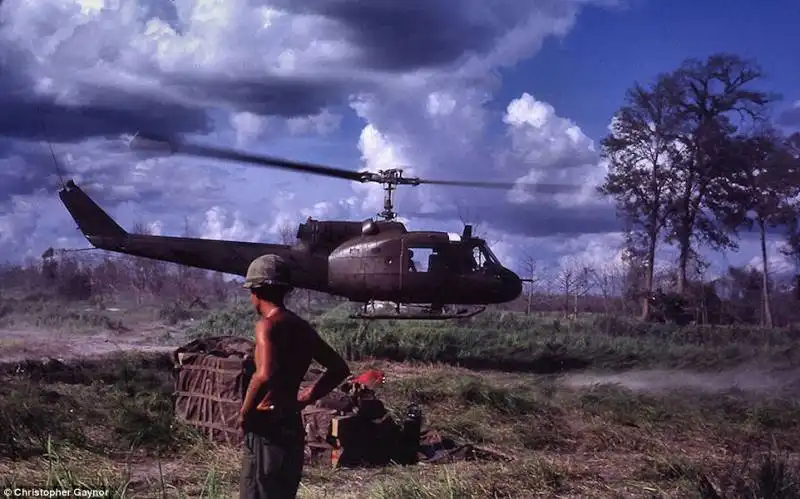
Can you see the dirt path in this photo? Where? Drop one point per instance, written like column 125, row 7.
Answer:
column 20, row 344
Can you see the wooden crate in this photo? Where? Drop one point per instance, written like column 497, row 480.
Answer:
column 210, row 381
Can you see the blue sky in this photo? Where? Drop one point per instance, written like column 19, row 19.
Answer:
column 607, row 50
column 523, row 90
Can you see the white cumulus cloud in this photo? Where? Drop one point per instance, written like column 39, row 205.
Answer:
column 409, row 85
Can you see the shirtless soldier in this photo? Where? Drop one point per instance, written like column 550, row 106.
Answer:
column 285, row 345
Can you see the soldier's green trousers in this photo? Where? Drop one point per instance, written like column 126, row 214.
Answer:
column 272, row 463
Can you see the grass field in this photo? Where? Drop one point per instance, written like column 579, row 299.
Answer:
column 595, row 407
column 542, row 344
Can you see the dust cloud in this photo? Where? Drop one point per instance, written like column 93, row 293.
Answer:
column 743, row 379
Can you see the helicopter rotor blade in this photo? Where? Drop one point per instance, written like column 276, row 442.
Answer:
column 543, row 188
column 170, row 145
column 175, row 146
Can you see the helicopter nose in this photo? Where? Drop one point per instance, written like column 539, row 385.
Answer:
column 512, row 285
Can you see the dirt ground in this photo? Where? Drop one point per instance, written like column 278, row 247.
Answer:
column 19, row 344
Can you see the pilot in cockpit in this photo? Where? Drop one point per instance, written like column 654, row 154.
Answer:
column 477, row 260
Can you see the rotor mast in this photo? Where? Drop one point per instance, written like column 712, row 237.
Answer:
column 389, row 179
column 387, row 213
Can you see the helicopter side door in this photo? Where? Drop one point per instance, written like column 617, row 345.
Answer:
column 423, row 275
column 381, row 267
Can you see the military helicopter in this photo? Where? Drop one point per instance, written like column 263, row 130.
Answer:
column 364, row 261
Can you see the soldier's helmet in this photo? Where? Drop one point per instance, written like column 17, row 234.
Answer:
column 267, row 270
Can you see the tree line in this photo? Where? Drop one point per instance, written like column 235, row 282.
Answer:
column 577, row 287
column 105, row 279
column 694, row 159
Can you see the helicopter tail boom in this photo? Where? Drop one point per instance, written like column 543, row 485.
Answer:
column 231, row 257
column 92, row 221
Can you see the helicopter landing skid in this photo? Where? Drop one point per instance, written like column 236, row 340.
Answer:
column 425, row 313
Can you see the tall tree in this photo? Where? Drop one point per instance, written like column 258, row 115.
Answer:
column 761, row 191
column 638, row 150
column 633, row 268
column 713, row 99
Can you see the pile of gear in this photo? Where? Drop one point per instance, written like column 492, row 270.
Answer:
column 350, row 427
column 354, row 427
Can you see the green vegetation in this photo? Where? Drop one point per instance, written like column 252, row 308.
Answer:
column 512, row 341
column 518, row 342
column 107, row 423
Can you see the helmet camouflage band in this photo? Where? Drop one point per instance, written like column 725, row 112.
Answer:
column 267, row 270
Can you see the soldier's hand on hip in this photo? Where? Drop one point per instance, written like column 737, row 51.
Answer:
column 304, row 397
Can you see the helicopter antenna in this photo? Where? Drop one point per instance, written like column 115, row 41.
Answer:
column 55, row 162
column 50, row 146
